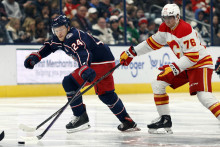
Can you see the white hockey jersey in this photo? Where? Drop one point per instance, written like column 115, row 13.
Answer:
column 183, row 41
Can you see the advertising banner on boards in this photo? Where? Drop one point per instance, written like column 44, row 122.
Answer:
column 52, row 69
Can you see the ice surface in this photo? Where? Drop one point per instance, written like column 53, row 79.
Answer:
column 193, row 125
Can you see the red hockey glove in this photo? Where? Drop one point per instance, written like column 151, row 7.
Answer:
column 32, row 59
column 87, row 73
column 127, row 56
column 217, row 66
column 169, row 70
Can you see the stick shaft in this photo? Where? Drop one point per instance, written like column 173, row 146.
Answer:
column 75, row 97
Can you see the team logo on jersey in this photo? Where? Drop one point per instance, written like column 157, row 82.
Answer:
column 69, row 35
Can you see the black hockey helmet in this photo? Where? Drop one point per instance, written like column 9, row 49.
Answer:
column 59, row 21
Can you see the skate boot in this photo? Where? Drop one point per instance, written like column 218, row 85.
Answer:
column 128, row 125
column 78, row 123
column 161, row 125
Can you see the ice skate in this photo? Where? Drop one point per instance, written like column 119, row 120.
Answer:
column 128, row 125
column 161, row 125
column 78, row 123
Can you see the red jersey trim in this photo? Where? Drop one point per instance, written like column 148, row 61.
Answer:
column 183, row 29
column 204, row 61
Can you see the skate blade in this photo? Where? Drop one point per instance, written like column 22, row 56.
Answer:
column 80, row 128
column 132, row 129
column 160, row 131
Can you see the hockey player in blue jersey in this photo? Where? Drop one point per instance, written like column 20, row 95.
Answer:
column 94, row 59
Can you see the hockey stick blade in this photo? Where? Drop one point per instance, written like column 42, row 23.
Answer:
column 75, row 98
column 26, row 128
column 2, row 135
column 28, row 140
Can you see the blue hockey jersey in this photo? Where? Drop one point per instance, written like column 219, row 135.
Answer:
column 83, row 47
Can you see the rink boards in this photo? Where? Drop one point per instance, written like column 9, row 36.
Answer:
column 45, row 78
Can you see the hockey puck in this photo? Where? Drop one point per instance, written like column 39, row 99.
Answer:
column 21, row 142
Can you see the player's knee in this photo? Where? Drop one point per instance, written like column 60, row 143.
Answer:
column 159, row 87
column 108, row 98
column 69, row 84
column 206, row 98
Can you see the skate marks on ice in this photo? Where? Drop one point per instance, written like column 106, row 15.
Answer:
column 193, row 125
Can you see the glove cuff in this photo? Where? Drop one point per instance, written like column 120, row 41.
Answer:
column 82, row 69
column 131, row 52
column 175, row 69
column 36, row 54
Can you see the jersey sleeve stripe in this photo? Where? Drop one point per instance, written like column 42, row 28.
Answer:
column 153, row 44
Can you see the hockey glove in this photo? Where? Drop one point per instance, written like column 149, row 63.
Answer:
column 217, row 66
column 127, row 56
column 32, row 59
column 87, row 73
column 169, row 70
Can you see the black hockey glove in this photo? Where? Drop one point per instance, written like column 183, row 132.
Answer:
column 87, row 73
column 217, row 66
column 31, row 60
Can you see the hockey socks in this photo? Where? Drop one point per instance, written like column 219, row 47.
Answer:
column 77, row 106
column 115, row 105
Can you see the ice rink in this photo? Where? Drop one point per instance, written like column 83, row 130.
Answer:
column 193, row 125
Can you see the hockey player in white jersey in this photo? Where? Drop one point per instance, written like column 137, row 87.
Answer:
column 194, row 65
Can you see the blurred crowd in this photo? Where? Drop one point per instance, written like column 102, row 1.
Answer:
column 28, row 21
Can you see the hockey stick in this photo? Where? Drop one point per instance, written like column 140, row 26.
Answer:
column 32, row 129
column 2, row 135
column 36, row 138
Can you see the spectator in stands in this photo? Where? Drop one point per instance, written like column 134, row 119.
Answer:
column 116, row 12
column 143, row 32
column 132, row 33
column 140, row 13
column 29, row 28
column 101, row 32
column 116, row 32
column 75, row 24
column 3, row 21
column 84, row 3
column 200, row 4
column 92, row 15
column 130, row 3
column 15, row 34
column 216, row 4
column 80, row 17
column 3, row 14
column 104, row 9
column 131, row 11
column 30, row 11
column 70, row 9
column 188, row 10
column 54, row 14
column 200, row 16
column 39, row 5
column 41, row 34
column 94, row 3
column 45, row 15
column 216, row 27
column 151, row 27
column 12, row 9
